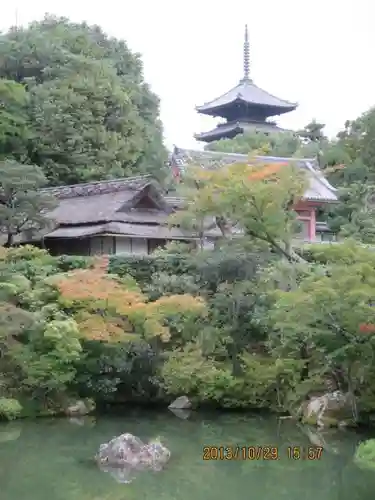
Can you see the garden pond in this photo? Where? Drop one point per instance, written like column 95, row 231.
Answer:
column 51, row 459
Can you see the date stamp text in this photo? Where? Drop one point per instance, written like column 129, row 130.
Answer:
column 261, row 453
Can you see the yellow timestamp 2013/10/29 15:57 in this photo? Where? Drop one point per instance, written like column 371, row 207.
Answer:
column 240, row 453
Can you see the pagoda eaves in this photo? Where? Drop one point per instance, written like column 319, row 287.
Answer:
column 246, row 93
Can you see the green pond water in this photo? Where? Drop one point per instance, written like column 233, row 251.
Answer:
column 49, row 459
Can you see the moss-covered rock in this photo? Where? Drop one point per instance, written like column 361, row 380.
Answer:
column 365, row 455
column 80, row 408
column 328, row 410
column 10, row 409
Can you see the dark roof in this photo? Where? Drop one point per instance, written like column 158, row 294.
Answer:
column 107, row 201
column 319, row 188
column 133, row 230
column 249, row 93
column 100, row 187
column 111, row 207
column 238, row 128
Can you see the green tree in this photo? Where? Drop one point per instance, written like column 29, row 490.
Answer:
column 13, row 120
column 22, row 205
column 358, row 140
column 313, row 132
column 278, row 144
column 255, row 199
column 354, row 174
column 354, row 215
column 91, row 114
column 332, row 316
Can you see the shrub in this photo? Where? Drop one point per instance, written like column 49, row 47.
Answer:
column 139, row 267
column 142, row 267
column 365, row 455
column 25, row 252
column 106, row 310
column 208, row 381
column 66, row 263
column 10, row 409
column 170, row 284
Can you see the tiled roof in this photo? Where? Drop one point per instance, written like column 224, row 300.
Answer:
column 99, row 187
column 249, row 93
column 319, row 188
column 125, row 229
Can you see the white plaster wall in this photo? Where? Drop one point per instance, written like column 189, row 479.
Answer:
column 123, row 245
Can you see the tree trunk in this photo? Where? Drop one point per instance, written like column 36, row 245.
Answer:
column 10, row 240
column 353, row 400
column 305, row 357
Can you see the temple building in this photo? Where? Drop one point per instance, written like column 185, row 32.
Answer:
column 132, row 215
column 245, row 107
column 121, row 216
column 318, row 195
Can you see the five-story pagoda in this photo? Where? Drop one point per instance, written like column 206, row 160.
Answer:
column 245, row 107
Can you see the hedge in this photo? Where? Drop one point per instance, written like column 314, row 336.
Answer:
column 142, row 267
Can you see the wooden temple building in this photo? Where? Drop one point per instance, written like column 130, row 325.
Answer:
column 131, row 215
column 245, row 107
column 122, row 216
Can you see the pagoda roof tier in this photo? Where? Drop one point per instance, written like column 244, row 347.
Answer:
column 246, row 92
column 229, row 130
column 318, row 189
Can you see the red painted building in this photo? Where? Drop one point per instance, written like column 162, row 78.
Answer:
column 318, row 194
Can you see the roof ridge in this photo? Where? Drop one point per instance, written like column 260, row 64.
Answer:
column 243, row 155
column 98, row 187
column 92, row 183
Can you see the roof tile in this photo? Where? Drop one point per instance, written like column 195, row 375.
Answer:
column 249, row 93
column 319, row 189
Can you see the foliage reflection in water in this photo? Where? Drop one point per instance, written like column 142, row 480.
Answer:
column 51, row 460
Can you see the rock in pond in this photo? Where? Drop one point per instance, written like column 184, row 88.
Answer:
column 80, row 408
column 181, row 403
column 183, row 414
column 329, row 410
column 127, row 453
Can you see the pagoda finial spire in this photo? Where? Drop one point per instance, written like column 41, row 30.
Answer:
column 246, row 56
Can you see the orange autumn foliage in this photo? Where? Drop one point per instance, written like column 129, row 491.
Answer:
column 98, row 327
column 267, row 171
column 113, row 313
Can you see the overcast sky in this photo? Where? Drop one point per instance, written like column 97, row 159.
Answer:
column 316, row 53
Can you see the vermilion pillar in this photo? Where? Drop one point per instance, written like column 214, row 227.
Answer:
column 312, row 225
